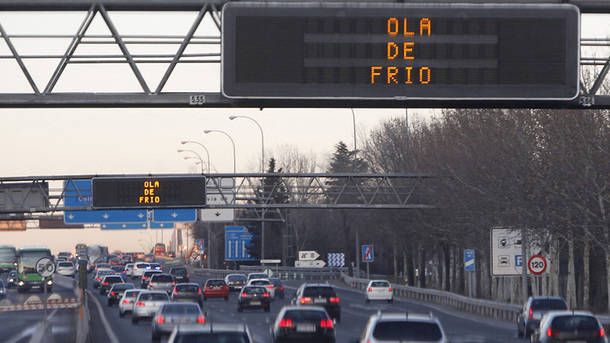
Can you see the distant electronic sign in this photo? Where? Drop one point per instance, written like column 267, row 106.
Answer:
column 400, row 51
column 148, row 192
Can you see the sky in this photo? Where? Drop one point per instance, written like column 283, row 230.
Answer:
column 91, row 141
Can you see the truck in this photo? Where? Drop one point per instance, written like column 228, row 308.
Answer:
column 97, row 254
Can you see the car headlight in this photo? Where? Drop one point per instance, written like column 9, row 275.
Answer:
column 11, row 280
column 50, row 282
column 20, row 283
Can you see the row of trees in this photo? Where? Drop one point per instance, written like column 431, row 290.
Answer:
column 545, row 171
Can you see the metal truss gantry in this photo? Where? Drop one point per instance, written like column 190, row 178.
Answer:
column 300, row 191
column 155, row 96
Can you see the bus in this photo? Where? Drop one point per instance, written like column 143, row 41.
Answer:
column 81, row 250
column 27, row 276
column 8, row 258
column 159, row 249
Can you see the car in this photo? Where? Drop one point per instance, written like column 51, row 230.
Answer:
column 61, row 259
column 217, row 332
column 101, row 266
column 115, row 261
column 146, row 277
column 128, row 270
column 254, row 297
column 118, row 270
column 319, row 294
column 215, row 288
column 187, row 292
column 257, row 276
column 99, row 275
column 148, row 258
column 108, row 281
column 65, row 268
column 264, row 283
column 278, row 288
column 155, row 266
column 128, row 300
column 303, row 324
column 11, row 279
column 533, row 310
column 116, row 292
column 139, row 268
column 161, row 282
column 2, row 290
column 180, row 274
column 236, row 281
column 402, row 327
column 569, row 326
column 65, row 254
column 379, row 290
column 147, row 304
column 172, row 314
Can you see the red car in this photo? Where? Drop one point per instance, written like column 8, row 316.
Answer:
column 216, row 288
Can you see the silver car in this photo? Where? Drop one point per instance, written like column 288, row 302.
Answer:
column 403, row 327
column 147, row 304
column 172, row 314
column 129, row 269
column 128, row 301
column 65, row 268
column 161, row 282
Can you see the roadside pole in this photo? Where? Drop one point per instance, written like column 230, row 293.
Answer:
column 524, row 259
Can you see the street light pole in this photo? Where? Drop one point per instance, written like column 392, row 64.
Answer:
column 196, row 154
column 262, row 179
column 232, row 143
column 204, row 148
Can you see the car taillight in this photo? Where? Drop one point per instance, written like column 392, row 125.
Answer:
column 266, row 295
column 98, row 279
column 144, row 278
column 243, row 295
column 286, row 323
column 200, row 320
column 160, row 320
column 326, row 323
column 305, row 300
column 140, row 304
column 531, row 313
column 281, row 288
column 549, row 333
column 601, row 332
column 105, row 283
column 112, row 294
column 125, row 302
column 175, row 291
column 269, row 287
column 334, row 300
column 199, row 291
column 173, row 283
column 390, row 289
column 188, row 275
column 370, row 289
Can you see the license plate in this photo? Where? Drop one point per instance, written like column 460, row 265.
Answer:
column 255, row 303
column 319, row 301
column 306, row 328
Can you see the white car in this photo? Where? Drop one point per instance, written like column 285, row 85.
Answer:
column 379, row 290
column 264, row 283
column 128, row 301
column 65, row 268
column 129, row 269
column 139, row 268
column 403, row 327
column 147, row 304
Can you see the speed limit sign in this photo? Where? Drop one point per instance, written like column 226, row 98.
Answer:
column 537, row 264
column 45, row 267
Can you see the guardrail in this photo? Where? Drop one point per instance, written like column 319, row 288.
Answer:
column 282, row 273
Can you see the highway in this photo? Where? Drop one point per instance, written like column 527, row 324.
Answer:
column 355, row 313
column 20, row 326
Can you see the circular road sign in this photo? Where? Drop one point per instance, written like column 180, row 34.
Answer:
column 537, row 264
column 45, row 267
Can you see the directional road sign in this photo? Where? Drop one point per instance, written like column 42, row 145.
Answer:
column 213, row 197
column 368, row 253
column 174, row 215
column 309, row 255
column 136, row 226
column 45, row 267
column 309, row 264
column 469, row 265
column 336, row 259
column 237, row 240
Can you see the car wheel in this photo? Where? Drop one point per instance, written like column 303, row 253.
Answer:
column 109, row 303
column 390, row 301
column 205, row 298
column 367, row 300
column 338, row 319
column 240, row 309
column 267, row 308
column 226, row 298
column 155, row 337
column 134, row 320
column 519, row 332
column 200, row 303
column 121, row 314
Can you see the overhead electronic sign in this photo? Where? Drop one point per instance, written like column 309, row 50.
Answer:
column 148, row 192
column 400, row 51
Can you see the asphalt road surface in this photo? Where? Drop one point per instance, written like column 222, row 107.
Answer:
column 459, row 327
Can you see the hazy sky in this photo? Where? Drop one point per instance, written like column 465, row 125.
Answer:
column 83, row 141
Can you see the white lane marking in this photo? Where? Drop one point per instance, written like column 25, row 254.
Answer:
column 29, row 331
column 107, row 327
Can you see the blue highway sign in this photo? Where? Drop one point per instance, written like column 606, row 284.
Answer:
column 237, row 240
column 174, row 215
column 157, row 225
column 135, row 226
column 469, row 260
column 368, row 253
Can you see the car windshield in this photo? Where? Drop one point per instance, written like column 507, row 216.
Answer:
column 142, row 265
column 215, row 283
column 236, row 278
column 181, row 309
column 380, row 284
column 254, row 290
column 549, row 305
column 178, row 271
column 325, row 292
column 257, row 276
column 113, row 279
column 161, row 278
column 28, row 259
column 305, row 315
column 154, row 297
column 151, row 272
column 260, row 282
column 104, row 272
column 571, row 323
column 276, row 282
column 216, row 337
column 132, row 294
column 122, row 286
column 187, row 288
column 407, row 331
column 65, row 264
